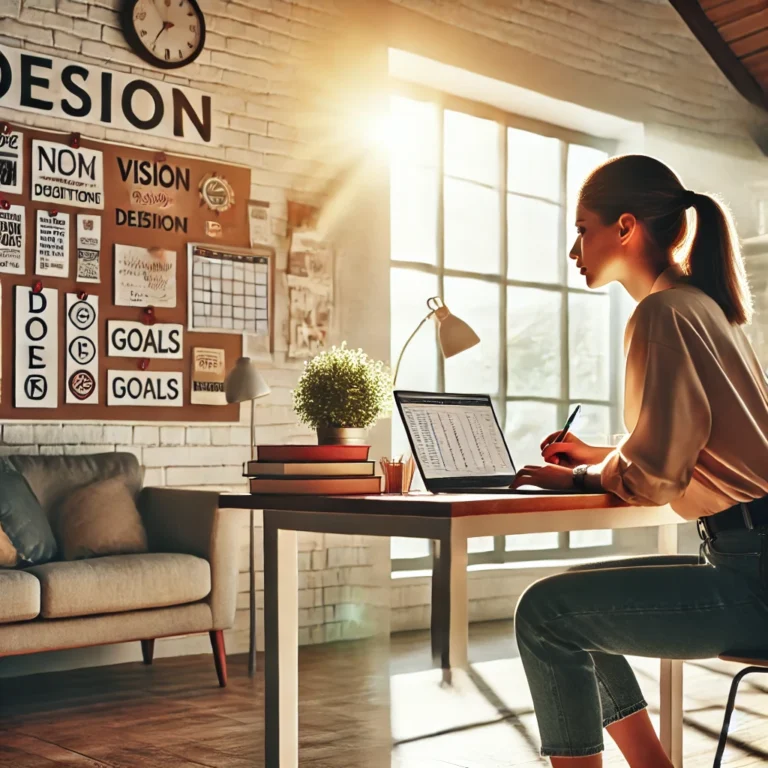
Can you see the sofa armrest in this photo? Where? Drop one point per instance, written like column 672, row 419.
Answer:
column 191, row 522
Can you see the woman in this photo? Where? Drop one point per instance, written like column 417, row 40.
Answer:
column 696, row 406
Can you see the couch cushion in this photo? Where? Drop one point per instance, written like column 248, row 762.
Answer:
column 19, row 596
column 120, row 583
column 51, row 478
column 100, row 519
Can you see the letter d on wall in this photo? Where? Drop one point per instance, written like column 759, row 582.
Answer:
column 36, row 374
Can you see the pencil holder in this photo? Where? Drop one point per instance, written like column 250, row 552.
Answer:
column 398, row 474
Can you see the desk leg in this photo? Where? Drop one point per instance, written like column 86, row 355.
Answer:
column 671, row 677
column 252, row 602
column 450, row 610
column 281, row 646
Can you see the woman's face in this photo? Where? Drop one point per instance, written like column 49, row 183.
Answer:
column 597, row 248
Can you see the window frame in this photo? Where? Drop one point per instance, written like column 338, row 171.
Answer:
column 504, row 120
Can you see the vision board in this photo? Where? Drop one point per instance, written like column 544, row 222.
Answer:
column 82, row 212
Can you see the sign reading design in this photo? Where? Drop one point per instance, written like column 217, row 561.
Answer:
column 144, row 277
column 88, row 248
column 126, row 338
column 37, row 348
column 158, row 388
column 82, row 359
column 61, row 174
column 52, row 256
column 69, row 90
column 11, row 161
column 12, row 231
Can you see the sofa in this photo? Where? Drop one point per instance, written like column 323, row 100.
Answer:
column 185, row 583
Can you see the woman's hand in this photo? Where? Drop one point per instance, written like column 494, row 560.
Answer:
column 549, row 477
column 572, row 452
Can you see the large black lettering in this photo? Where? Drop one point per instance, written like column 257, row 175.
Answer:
column 150, row 342
column 35, row 361
column 173, row 388
column 175, row 343
column 127, row 104
column 29, row 81
column 149, row 390
column 118, row 387
column 106, row 97
column 36, row 325
column 67, row 75
column 135, row 339
column 118, row 338
column 6, row 75
column 125, row 170
column 181, row 107
column 120, row 217
column 37, row 303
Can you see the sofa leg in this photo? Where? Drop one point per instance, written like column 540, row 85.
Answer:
column 148, row 650
column 219, row 656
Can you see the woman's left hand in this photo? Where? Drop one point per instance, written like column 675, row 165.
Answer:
column 550, row 477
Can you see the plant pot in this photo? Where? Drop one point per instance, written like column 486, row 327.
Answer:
column 342, row 435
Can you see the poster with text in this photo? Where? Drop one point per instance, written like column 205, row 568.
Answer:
column 144, row 277
column 37, row 348
column 11, row 162
column 82, row 355
column 88, row 248
column 259, row 223
column 52, row 253
column 151, row 388
column 12, row 235
column 207, row 377
column 67, row 176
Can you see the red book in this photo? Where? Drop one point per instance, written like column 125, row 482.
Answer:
column 287, row 453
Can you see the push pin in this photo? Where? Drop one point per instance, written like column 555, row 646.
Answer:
column 37, row 287
column 74, row 141
column 5, row 204
column 149, row 315
column 144, row 363
column 5, row 128
column 160, row 157
column 53, row 212
column 82, row 295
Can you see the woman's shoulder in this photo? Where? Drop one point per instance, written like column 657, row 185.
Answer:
column 663, row 314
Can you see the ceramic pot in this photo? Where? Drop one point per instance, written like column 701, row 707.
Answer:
column 341, row 435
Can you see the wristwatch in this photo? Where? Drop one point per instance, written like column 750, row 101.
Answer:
column 580, row 476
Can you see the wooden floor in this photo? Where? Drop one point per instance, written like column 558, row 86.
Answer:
column 363, row 705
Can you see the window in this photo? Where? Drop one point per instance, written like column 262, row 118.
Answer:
column 482, row 212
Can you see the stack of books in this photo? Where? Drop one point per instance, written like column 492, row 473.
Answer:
column 323, row 470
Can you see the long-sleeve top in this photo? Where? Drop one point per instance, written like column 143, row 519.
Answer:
column 695, row 407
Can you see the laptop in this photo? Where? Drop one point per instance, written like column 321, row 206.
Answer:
column 457, row 443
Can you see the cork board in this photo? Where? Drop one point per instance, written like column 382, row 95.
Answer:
column 131, row 194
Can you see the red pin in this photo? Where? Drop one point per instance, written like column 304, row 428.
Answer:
column 160, row 157
column 5, row 204
column 82, row 295
column 5, row 128
column 74, row 141
column 37, row 287
column 149, row 315
column 144, row 364
column 53, row 212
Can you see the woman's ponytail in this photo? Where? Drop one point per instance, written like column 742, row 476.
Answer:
column 714, row 263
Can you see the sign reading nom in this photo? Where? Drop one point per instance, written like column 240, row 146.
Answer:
column 61, row 174
column 47, row 85
column 159, row 388
column 37, row 348
column 126, row 338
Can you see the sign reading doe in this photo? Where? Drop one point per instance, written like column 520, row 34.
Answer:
column 37, row 348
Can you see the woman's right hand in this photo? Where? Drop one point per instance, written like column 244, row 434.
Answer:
column 571, row 452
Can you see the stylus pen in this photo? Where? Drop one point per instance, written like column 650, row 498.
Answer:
column 568, row 424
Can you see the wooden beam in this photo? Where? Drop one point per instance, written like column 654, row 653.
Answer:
column 707, row 34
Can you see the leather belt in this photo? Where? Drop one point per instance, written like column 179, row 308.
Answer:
column 745, row 516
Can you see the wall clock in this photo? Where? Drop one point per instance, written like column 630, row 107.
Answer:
column 164, row 33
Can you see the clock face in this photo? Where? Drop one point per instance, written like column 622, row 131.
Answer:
column 167, row 33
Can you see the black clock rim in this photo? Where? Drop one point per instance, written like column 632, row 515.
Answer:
column 126, row 24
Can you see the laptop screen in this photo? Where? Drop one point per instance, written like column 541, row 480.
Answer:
column 454, row 436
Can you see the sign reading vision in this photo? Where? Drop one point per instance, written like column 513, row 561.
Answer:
column 47, row 85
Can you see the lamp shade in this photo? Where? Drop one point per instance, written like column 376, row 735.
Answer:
column 453, row 333
column 244, row 382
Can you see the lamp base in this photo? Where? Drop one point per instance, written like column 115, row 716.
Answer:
column 342, row 436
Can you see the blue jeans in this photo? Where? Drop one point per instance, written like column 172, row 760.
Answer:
column 573, row 629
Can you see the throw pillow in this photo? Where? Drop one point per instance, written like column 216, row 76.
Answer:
column 100, row 519
column 26, row 533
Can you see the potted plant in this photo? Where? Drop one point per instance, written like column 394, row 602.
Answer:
column 341, row 393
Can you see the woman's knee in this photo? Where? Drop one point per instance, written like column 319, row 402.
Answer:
column 535, row 604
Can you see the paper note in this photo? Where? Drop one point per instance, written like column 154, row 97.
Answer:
column 88, row 248
column 144, row 277
column 11, row 162
column 62, row 175
column 12, row 236
column 207, row 377
column 52, row 252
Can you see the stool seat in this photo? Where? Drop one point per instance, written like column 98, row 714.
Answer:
column 752, row 658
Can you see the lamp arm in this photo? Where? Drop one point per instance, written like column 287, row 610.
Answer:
column 405, row 346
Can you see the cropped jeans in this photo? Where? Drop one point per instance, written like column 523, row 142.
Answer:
column 573, row 629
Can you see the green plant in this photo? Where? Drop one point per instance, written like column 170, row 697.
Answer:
column 342, row 387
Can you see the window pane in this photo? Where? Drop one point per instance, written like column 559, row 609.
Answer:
column 582, row 539
column 477, row 369
column 413, row 213
column 533, row 342
column 520, row 542
column 472, row 148
column 400, row 547
column 534, row 164
column 415, row 131
column 528, row 423
column 471, row 227
column 593, row 424
column 589, row 334
column 480, row 544
column 533, row 240
column 581, row 162
column 409, row 291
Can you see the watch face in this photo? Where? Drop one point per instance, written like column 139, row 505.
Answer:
column 170, row 31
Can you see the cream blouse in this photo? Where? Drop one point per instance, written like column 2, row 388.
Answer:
column 696, row 407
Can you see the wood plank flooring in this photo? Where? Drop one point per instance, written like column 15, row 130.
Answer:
column 367, row 704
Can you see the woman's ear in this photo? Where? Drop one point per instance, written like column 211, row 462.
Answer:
column 627, row 226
